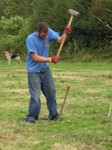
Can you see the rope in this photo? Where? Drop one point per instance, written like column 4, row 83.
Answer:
column 103, row 22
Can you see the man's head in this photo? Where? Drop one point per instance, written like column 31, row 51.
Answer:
column 42, row 29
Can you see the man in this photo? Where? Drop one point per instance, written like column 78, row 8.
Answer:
column 39, row 74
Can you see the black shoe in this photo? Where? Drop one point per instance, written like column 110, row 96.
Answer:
column 55, row 117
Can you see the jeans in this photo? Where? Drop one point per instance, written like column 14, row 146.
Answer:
column 37, row 82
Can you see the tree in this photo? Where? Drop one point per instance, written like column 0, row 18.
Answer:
column 2, row 7
column 14, row 32
column 21, row 8
column 89, row 30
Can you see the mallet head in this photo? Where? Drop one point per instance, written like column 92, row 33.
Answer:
column 73, row 12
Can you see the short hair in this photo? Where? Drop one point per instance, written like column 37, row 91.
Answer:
column 42, row 27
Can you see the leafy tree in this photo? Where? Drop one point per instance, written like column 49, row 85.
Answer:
column 2, row 7
column 21, row 8
column 14, row 32
column 89, row 30
column 41, row 12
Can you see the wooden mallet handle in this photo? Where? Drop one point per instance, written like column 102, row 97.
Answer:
column 73, row 13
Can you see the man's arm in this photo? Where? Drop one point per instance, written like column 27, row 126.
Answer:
column 38, row 58
column 60, row 38
column 67, row 31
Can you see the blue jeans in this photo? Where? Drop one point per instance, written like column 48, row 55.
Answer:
column 37, row 82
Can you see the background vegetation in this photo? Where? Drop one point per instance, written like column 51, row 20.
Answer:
column 91, row 30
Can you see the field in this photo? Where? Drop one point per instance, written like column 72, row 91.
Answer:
column 85, row 123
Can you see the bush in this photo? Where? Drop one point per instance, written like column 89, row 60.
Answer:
column 13, row 33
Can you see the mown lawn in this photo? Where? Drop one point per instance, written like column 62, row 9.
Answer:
column 85, row 124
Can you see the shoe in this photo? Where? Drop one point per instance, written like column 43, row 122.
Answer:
column 56, row 117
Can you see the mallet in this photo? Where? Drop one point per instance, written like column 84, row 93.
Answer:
column 73, row 13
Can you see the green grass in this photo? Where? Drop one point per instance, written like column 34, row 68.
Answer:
column 85, row 124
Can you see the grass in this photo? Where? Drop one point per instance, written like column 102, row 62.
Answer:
column 85, row 124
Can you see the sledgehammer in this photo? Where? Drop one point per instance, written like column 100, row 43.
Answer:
column 73, row 13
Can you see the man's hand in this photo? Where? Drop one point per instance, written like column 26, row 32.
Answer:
column 55, row 59
column 67, row 30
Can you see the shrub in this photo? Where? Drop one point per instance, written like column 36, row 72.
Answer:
column 13, row 33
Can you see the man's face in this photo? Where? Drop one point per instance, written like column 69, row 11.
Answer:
column 43, row 35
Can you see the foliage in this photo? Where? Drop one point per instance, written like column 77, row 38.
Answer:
column 2, row 7
column 91, row 29
column 14, row 31
column 40, row 12
column 19, row 8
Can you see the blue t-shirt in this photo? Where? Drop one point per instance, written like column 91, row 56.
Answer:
column 39, row 46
